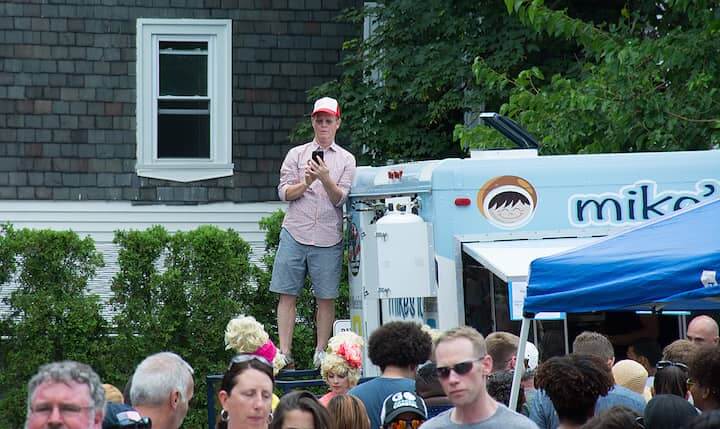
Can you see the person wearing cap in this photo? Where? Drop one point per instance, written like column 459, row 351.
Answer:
column 315, row 179
column 403, row 410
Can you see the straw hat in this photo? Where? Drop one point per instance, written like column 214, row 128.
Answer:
column 631, row 375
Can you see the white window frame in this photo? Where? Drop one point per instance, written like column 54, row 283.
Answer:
column 218, row 34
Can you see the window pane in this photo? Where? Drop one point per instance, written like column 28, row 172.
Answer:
column 183, row 136
column 183, row 68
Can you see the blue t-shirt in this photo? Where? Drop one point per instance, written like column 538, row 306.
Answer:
column 374, row 392
column 543, row 413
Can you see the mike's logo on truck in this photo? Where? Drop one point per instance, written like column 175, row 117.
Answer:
column 508, row 202
column 638, row 202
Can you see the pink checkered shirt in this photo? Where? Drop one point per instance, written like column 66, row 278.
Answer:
column 312, row 219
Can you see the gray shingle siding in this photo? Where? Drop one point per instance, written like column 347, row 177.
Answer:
column 67, row 94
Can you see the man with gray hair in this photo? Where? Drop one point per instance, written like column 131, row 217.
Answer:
column 65, row 395
column 162, row 387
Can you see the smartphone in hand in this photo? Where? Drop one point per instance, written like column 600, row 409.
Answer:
column 318, row 154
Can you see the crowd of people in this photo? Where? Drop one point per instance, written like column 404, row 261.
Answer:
column 429, row 379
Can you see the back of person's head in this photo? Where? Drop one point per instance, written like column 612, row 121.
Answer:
column 302, row 401
column 668, row 412
column 347, row 411
column 499, row 384
column 502, row 347
column 646, row 351
column 401, row 344
column 66, row 372
column 670, row 379
column 709, row 420
column 679, row 351
column 704, row 371
column 594, row 343
column 574, row 383
column 630, row 374
column 468, row 333
column 157, row 377
column 427, row 383
column 113, row 394
column 617, row 417
column 405, row 407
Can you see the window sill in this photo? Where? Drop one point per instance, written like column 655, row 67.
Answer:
column 180, row 172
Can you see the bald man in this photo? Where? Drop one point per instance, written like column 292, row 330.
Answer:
column 703, row 330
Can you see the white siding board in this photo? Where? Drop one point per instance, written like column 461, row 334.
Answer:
column 100, row 220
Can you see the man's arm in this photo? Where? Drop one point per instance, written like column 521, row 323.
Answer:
column 337, row 192
column 292, row 186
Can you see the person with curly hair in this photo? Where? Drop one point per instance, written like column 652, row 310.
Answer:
column 397, row 348
column 246, row 336
column 704, row 380
column 499, row 384
column 541, row 409
column 342, row 364
column 574, row 383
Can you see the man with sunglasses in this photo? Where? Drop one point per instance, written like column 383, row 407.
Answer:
column 315, row 179
column 463, row 366
column 403, row 410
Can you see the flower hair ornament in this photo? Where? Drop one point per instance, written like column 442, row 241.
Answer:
column 344, row 356
column 245, row 335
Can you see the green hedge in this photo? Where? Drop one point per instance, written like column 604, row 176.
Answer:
column 172, row 292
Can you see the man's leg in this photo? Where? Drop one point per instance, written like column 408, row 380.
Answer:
column 286, row 322
column 325, row 318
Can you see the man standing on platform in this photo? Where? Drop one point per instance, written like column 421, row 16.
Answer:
column 315, row 178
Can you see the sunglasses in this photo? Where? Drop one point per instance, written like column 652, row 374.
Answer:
column 404, row 424
column 666, row 363
column 247, row 358
column 689, row 383
column 640, row 422
column 461, row 368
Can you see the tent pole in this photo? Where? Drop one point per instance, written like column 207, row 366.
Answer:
column 519, row 363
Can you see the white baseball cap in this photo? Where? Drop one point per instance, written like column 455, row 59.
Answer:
column 327, row 105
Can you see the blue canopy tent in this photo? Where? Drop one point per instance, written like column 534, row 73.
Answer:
column 666, row 264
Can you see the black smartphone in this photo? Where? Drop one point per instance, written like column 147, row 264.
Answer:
column 318, row 154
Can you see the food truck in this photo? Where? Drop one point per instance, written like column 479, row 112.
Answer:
column 449, row 242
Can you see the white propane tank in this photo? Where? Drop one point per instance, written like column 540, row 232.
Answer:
column 406, row 266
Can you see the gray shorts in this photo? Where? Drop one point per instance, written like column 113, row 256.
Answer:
column 294, row 261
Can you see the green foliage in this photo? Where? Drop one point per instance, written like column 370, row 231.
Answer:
column 405, row 87
column 648, row 82
column 51, row 316
column 185, row 307
column 172, row 292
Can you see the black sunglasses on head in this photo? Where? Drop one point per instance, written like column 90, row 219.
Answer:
column 460, row 368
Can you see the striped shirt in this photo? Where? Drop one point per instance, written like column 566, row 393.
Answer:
column 312, row 219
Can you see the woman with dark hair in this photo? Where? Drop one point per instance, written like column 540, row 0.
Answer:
column 300, row 409
column 347, row 411
column 617, row 417
column 246, row 393
column 670, row 379
column 574, row 383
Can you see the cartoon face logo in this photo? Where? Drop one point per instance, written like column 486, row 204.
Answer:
column 508, row 202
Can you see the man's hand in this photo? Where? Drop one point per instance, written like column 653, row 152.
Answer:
column 319, row 170
column 309, row 177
